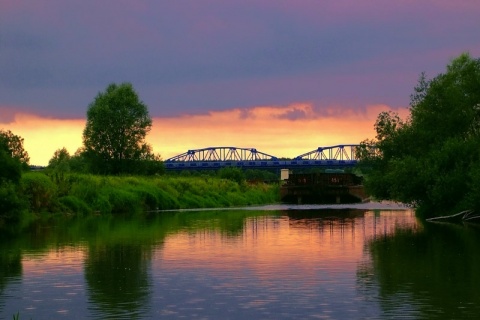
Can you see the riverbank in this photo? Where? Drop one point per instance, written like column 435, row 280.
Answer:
column 87, row 194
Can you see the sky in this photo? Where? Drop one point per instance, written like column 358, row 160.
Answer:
column 284, row 77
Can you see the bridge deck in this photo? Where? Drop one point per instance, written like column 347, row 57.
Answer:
column 259, row 164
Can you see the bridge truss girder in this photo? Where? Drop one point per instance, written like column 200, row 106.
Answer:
column 222, row 154
column 338, row 152
column 340, row 156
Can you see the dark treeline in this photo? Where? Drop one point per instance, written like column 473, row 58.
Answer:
column 431, row 159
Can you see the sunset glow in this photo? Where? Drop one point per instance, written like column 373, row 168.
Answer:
column 280, row 131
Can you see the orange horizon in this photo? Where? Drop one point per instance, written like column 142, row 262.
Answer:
column 285, row 131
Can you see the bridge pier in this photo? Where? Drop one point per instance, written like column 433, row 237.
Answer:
column 323, row 188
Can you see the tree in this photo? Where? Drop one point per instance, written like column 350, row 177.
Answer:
column 78, row 161
column 431, row 159
column 14, row 145
column 10, row 167
column 10, row 174
column 114, row 136
column 234, row 174
column 60, row 160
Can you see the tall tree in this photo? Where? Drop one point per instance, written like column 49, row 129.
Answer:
column 11, row 156
column 114, row 136
column 14, row 144
column 432, row 159
column 60, row 160
column 10, row 167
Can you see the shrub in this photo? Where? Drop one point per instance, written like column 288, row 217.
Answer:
column 234, row 174
column 123, row 201
column 75, row 205
column 39, row 191
column 11, row 204
column 148, row 198
column 102, row 204
column 167, row 200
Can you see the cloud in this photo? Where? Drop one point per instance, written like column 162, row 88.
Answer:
column 7, row 115
column 296, row 113
column 190, row 57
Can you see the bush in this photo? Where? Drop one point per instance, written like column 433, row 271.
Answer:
column 233, row 174
column 123, row 201
column 10, row 168
column 39, row 191
column 11, row 204
column 75, row 205
column 167, row 200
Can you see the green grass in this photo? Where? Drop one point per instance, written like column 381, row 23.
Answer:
column 85, row 194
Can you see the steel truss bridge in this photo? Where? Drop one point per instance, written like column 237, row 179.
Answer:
column 339, row 156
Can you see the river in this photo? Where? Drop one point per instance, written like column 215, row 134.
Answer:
column 369, row 261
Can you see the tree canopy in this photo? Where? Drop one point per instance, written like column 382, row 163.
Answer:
column 14, row 145
column 10, row 167
column 114, row 135
column 432, row 158
column 12, row 158
column 60, row 160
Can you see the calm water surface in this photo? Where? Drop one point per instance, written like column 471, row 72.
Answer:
column 260, row 263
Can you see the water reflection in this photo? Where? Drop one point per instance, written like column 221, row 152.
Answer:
column 241, row 264
column 431, row 274
column 118, row 279
column 286, row 265
column 10, row 270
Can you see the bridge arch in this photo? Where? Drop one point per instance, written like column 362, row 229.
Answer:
column 338, row 152
column 222, row 154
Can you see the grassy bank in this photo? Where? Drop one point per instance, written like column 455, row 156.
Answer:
column 85, row 193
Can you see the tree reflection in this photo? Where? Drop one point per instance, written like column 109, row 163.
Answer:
column 230, row 225
column 118, row 278
column 10, row 267
column 435, row 270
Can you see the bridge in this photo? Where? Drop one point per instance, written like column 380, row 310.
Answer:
column 338, row 156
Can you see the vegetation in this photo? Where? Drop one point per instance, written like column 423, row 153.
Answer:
column 75, row 193
column 438, row 264
column 64, row 188
column 13, row 158
column 14, row 144
column 114, row 135
column 432, row 159
column 236, row 174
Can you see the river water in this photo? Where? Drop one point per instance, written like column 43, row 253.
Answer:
column 373, row 261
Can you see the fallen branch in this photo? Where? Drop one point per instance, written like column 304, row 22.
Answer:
column 464, row 215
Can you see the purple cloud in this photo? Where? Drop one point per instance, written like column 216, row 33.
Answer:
column 191, row 57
